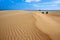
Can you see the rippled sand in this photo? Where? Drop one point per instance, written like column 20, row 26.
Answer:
column 20, row 25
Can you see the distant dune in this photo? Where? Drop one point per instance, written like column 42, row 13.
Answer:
column 29, row 25
column 54, row 13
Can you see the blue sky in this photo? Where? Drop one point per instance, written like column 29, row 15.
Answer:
column 29, row 4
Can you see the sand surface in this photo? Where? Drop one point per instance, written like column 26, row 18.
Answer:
column 22, row 25
column 18, row 25
column 49, row 24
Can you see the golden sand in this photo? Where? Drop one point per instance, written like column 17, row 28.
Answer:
column 28, row 25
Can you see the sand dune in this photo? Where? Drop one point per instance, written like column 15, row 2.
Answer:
column 28, row 25
column 55, row 16
column 48, row 25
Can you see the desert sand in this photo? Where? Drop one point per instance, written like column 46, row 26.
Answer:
column 29, row 25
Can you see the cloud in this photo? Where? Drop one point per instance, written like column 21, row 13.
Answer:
column 45, row 5
column 32, row 0
column 35, row 5
column 53, row 2
column 57, row 1
column 53, row 5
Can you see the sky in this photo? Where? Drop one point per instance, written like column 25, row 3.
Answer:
column 29, row 4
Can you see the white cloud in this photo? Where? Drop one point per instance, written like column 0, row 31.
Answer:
column 53, row 5
column 52, row 2
column 57, row 1
column 35, row 5
column 32, row 0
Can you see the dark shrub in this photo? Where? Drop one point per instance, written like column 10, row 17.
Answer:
column 42, row 12
column 47, row 12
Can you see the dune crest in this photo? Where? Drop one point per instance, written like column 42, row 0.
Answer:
column 27, row 25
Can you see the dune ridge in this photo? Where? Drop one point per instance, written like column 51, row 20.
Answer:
column 21, row 25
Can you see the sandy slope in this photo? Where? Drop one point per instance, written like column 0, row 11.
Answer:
column 49, row 24
column 19, row 25
column 29, row 25
column 55, row 16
